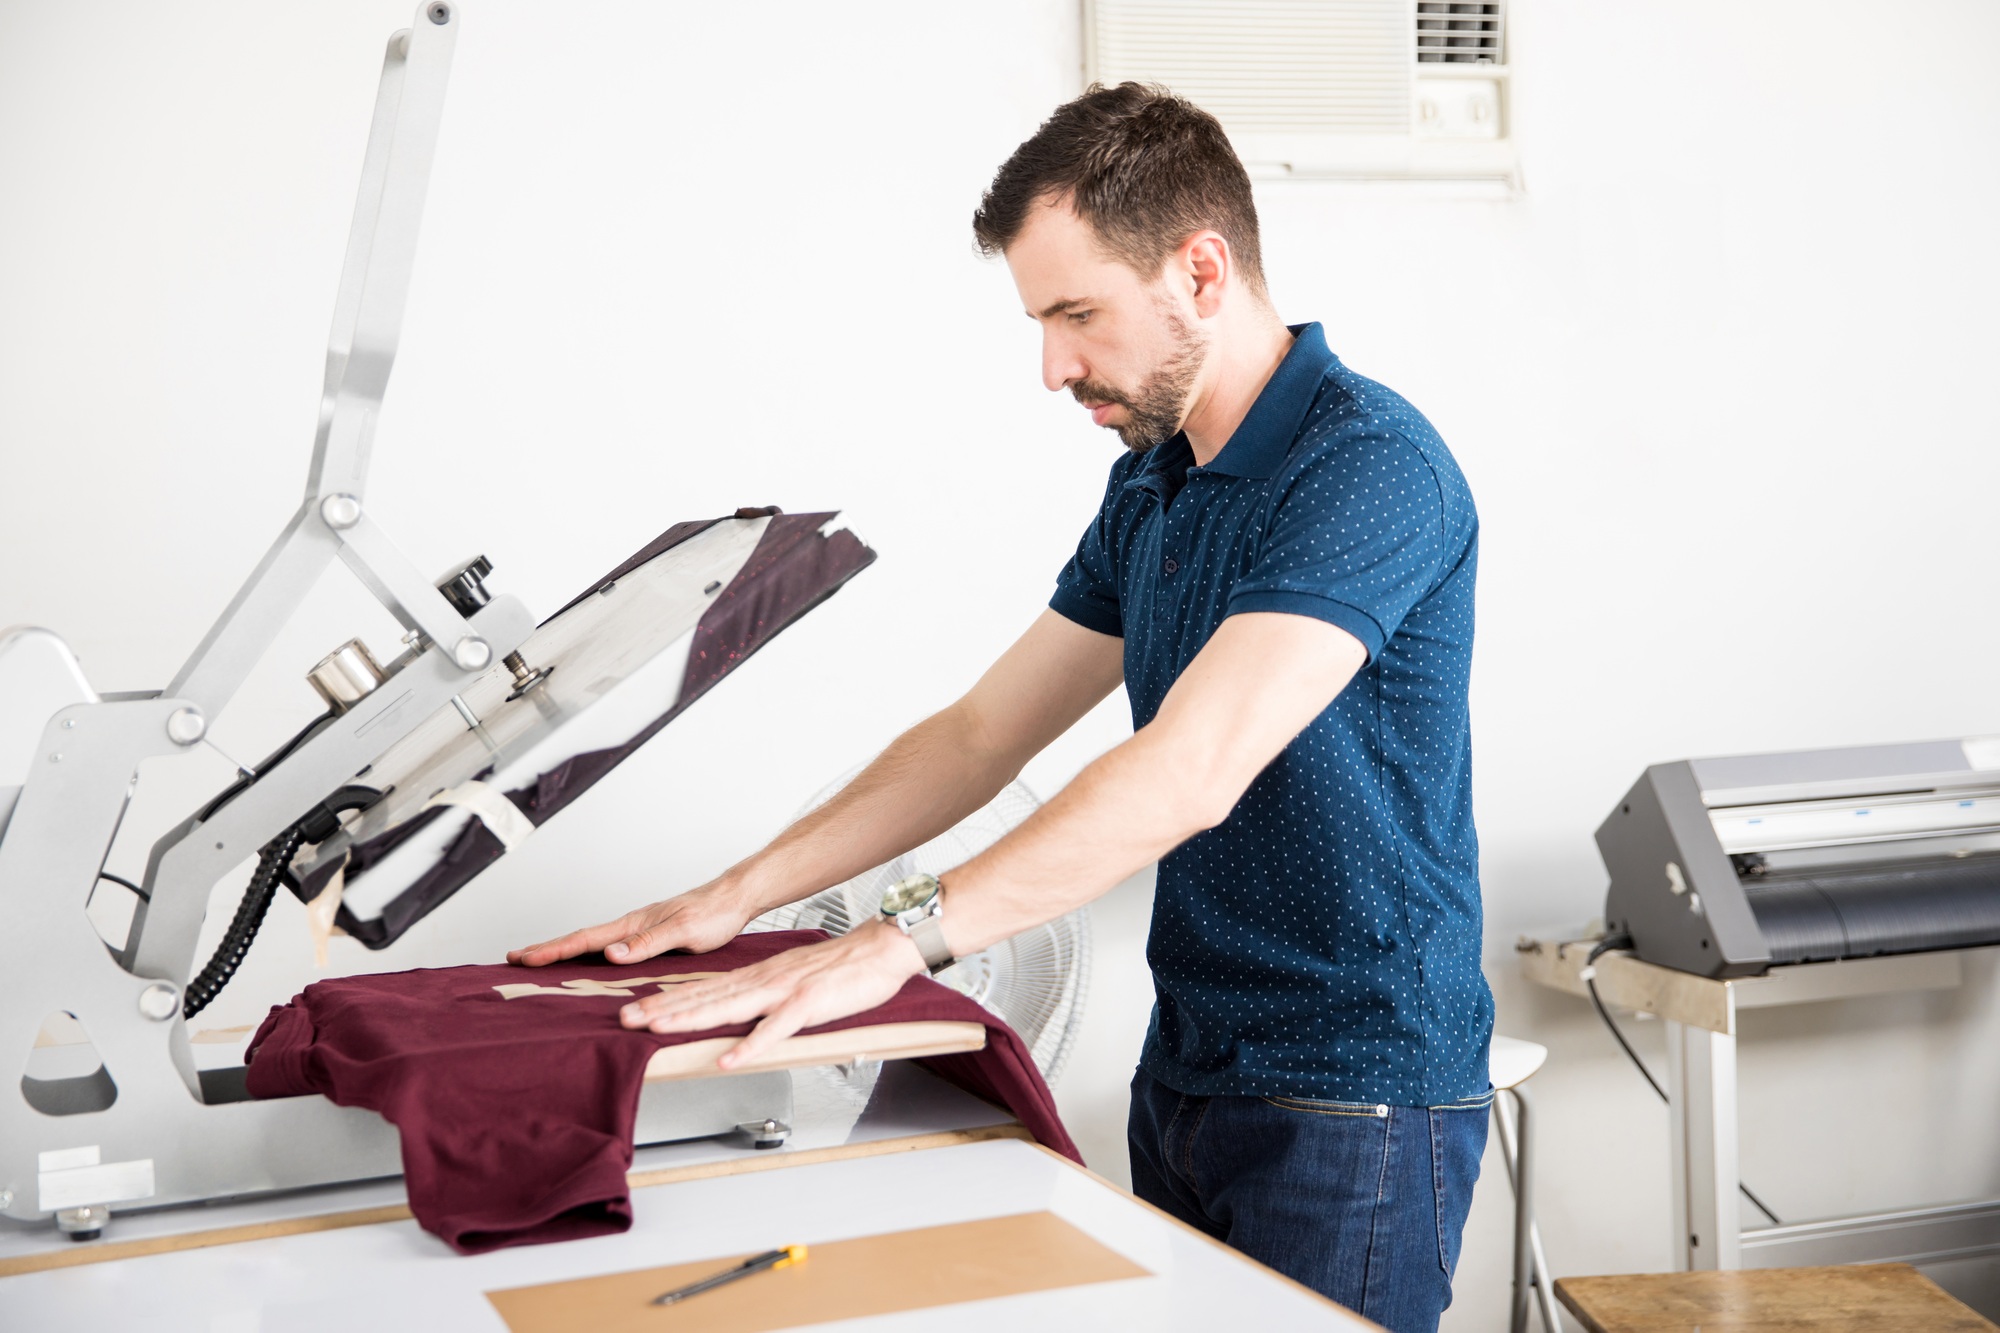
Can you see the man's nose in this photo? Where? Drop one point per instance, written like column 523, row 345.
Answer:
column 1061, row 366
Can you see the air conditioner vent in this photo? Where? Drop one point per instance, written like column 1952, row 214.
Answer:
column 1356, row 89
column 1285, row 66
column 1459, row 34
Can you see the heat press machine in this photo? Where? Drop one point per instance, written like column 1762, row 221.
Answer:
column 420, row 773
column 1730, row 867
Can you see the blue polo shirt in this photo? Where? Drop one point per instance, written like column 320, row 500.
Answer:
column 1323, row 941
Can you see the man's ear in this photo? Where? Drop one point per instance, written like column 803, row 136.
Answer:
column 1206, row 259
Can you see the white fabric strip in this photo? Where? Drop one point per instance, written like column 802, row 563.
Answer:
column 321, row 911
column 501, row 816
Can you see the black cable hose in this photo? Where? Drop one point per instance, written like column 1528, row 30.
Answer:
column 1603, row 946
column 272, row 865
column 124, row 883
column 1626, row 1046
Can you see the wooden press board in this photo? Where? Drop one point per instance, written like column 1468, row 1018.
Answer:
column 845, row 1279
column 883, row 1041
column 692, row 1059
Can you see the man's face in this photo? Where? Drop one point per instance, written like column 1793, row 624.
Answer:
column 1119, row 342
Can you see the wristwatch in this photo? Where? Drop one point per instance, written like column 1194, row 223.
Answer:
column 916, row 907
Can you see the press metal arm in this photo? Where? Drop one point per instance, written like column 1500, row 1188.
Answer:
column 367, row 324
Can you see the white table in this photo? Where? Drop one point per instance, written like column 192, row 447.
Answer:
column 858, row 1165
column 394, row 1276
column 1700, row 1016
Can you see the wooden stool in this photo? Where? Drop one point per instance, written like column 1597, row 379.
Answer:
column 1858, row 1298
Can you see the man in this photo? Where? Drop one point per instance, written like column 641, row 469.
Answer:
column 1282, row 577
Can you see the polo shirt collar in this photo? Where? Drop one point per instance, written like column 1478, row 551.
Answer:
column 1265, row 437
column 1162, row 467
column 1260, row 444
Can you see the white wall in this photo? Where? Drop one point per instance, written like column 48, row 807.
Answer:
column 1719, row 378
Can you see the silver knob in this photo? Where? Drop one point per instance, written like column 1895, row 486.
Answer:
column 472, row 653
column 185, row 726
column 159, row 1001
column 340, row 511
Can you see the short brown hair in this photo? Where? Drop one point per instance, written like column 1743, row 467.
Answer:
column 1144, row 168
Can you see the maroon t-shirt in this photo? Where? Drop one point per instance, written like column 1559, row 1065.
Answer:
column 516, row 1114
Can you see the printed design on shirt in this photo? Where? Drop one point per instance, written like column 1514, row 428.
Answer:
column 620, row 989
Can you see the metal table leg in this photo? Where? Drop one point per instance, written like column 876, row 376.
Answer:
column 1701, row 1093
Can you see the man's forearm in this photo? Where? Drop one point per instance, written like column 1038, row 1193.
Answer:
column 1126, row 810
column 930, row 777
column 1260, row 679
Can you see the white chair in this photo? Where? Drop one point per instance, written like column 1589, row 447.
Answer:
column 1512, row 1063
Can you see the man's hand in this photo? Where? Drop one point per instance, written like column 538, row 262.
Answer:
column 799, row 988
column 698, row 921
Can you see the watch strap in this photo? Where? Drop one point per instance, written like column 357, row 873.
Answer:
column 927, row 933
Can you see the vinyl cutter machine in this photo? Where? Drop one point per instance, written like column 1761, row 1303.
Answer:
column 1729, row 867
column 419, row 774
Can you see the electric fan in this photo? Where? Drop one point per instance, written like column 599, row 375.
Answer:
column 1035, row 981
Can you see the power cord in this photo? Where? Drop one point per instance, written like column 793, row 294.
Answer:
column 274, row 867
column 124, row 883
column 1624, row 941
column 246, row 780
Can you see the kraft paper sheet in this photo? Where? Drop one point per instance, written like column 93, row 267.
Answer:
column 843, row 1279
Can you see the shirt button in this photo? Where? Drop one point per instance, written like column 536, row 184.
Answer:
column 1171, row 565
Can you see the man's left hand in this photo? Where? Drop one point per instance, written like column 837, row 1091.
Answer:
column 796, row 989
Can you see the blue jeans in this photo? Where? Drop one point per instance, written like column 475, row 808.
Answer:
column 1364, row 1204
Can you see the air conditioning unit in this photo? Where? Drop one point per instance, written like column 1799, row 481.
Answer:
column 1354, row 89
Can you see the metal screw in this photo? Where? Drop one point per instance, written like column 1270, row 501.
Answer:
column 185, row 726
column 159, row 1001
column 56, row 758
column 440, row 14
column 69, row 724
column 6, row 1199
column 340, row 511
column 472, row 653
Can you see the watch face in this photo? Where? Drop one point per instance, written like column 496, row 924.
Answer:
column 906, row 894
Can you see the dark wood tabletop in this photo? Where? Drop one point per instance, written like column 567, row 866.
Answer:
column 1858, row 1298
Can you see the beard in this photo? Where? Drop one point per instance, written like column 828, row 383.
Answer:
column 1155, row 410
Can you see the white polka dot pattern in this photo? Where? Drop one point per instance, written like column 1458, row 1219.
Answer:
column 1323, row 941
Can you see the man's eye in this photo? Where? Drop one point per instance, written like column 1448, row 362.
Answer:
column 1079, row 316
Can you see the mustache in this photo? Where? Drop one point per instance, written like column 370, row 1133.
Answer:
column 1089, row 391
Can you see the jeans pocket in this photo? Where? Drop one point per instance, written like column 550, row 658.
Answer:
column 1315, row 1106
column 1458, row 1138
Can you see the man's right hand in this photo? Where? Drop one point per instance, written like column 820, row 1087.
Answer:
column 698, row 921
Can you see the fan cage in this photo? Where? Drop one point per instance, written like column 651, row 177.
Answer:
column 1035, row 982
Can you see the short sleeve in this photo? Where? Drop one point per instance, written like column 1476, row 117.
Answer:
column 1356, row 537
column 1087, row 589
